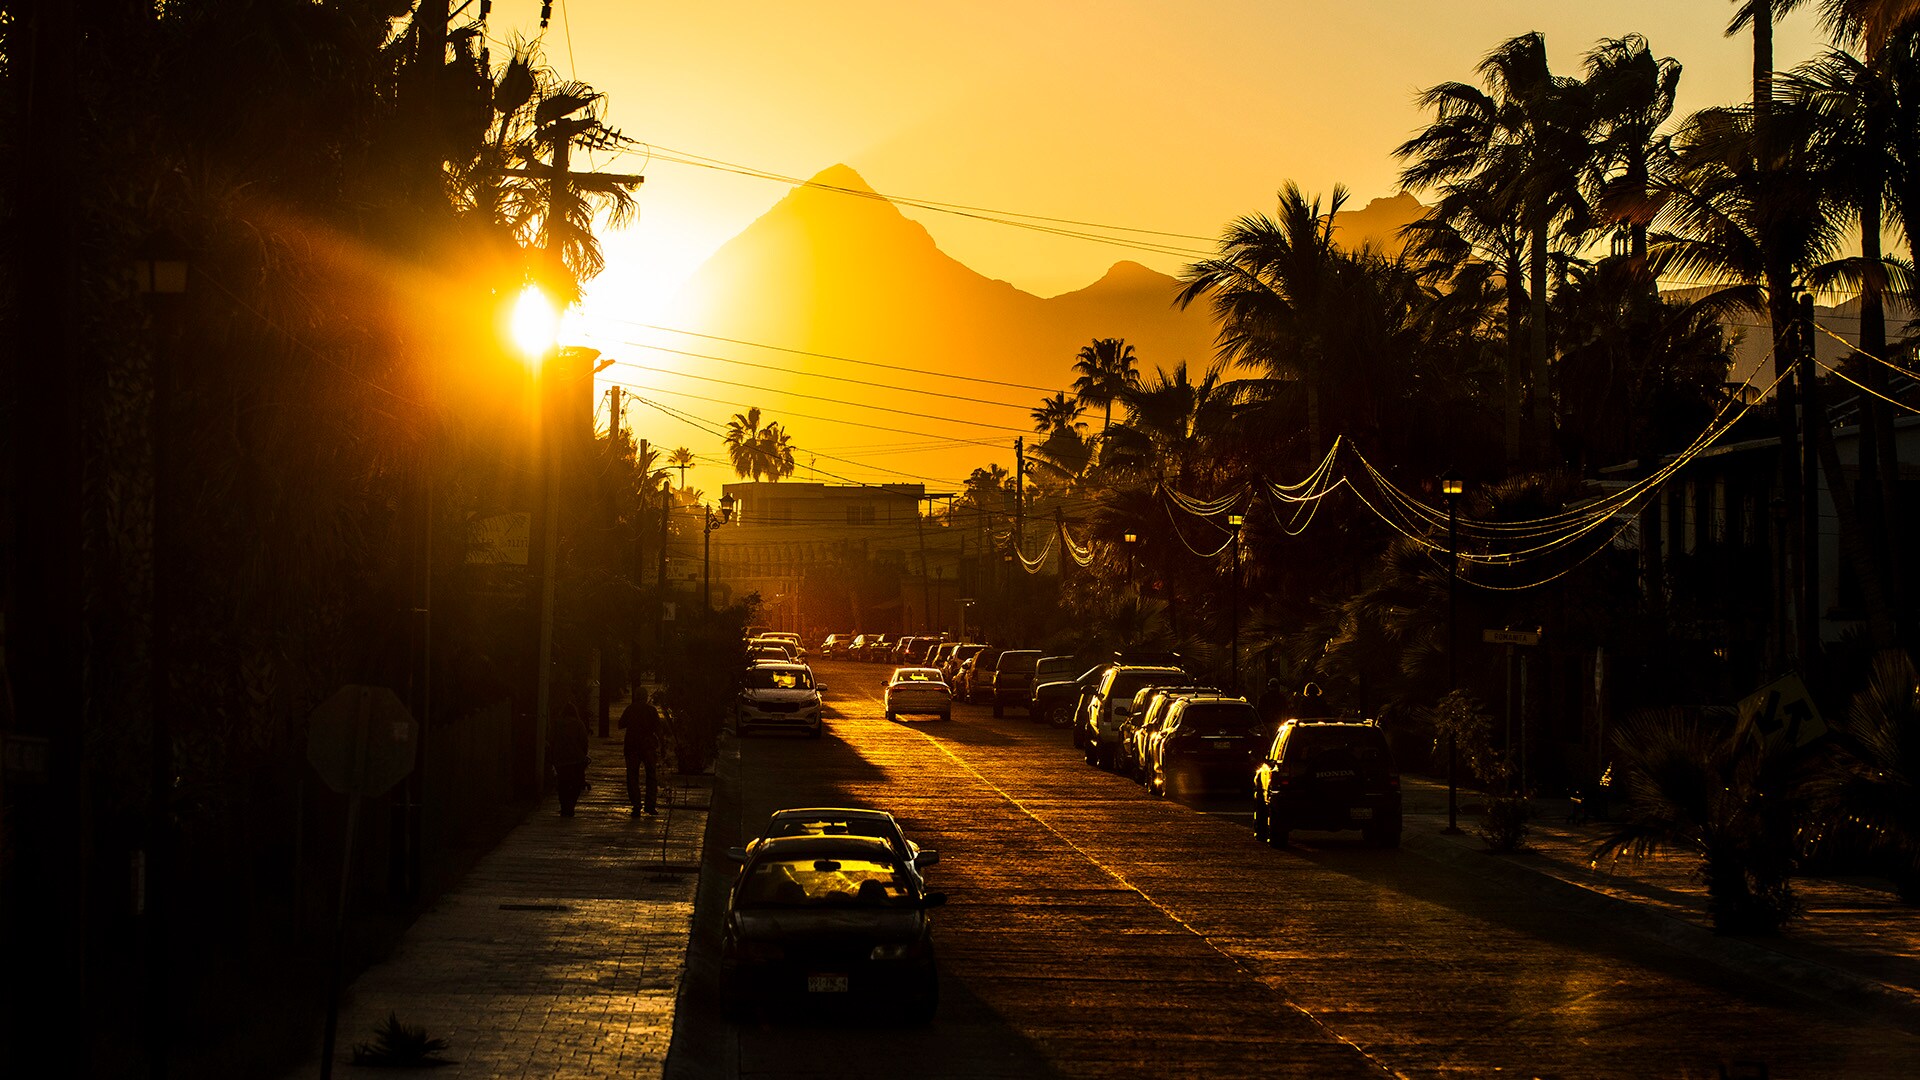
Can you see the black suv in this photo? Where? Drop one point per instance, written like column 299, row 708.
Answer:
column 1013, row 678
column 1327, row 774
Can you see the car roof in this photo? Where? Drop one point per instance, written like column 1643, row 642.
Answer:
column 788, row 665
column 1151, row 669
column 808, row 812
column 903, row 670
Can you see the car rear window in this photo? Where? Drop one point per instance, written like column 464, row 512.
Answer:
column 1128, row 684
column 1366, row 744
column 821, row 883
column 778, row 679
column 1209, row 721
column 1018, row 660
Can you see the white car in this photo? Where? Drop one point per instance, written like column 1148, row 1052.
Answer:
column 918, row 690
column 781, row 696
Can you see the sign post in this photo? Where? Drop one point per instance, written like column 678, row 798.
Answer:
column 361, row 742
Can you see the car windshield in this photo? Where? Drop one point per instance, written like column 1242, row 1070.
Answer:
column 1050, row 670
column 916, row 674
column 1365, row 744
column 877, row 828
column 1129, row 683
column 779, row 679
column 823, row 883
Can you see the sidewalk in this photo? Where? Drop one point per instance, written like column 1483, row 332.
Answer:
column 561, row 952
column 1855, row 943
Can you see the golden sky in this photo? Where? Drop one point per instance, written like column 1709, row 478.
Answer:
column 1164, row 115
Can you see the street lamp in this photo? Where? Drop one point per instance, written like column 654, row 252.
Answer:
column 1450, row 488
column 706, row 556
column 1131, row 539
column 1235, row 521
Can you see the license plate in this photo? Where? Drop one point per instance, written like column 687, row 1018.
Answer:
column 1363, row 813
column 1223, row 744
column 826, row 984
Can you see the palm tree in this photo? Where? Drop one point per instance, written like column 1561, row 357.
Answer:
column 1271, row 285
column 1725, row 798
column 1056, row 414
column 1870, row 794
column 743, row 441
column 1520, row 145
column 773, row 454
column 1633, row 96
column 682, row 459
column 1172, row 422
column 1105, row 369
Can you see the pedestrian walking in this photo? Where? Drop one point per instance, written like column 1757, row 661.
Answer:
column 567, row 749
column 1273, row 703
column 642, row 745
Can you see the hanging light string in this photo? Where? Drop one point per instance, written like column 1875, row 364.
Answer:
column 1831, row 370
column 1858, row 351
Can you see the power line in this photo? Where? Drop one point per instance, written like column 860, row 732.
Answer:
column 815, row 375
column 831, row 356
column 803, row 416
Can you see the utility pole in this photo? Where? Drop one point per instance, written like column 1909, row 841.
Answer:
column 926, row 587
column 639, row 553
column 1020, row 495
column 1808, row 378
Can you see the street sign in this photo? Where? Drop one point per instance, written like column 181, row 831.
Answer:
column 1782, row 711
column 667, row 610
column 361, row 740
column 1510, row 637
column 502, row 539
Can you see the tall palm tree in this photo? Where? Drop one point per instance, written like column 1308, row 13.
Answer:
column 773, row 453
column 1103, row 371
column 743, row 441
column 1171, row 422
column 1057, row 413
column 1633, row 95
column 1520, row 144
column 1271, row 286
column 682, row 459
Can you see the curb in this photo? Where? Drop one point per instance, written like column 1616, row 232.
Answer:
column 1832, row 985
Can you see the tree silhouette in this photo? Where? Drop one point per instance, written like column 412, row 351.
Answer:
column 1102, row 372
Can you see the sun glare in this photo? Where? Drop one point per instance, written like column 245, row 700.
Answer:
column 536, row 325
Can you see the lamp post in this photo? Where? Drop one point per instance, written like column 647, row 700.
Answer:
column 1131, row 539
column 1450, row 488
column 1233, row 663
column 711, row 523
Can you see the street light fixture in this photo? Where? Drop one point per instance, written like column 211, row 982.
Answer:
column 1131, row 539
column 1235, row 521
column 1450, row 488
column 713, row 522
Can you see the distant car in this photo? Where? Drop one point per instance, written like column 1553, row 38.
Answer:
column 778, row 696
column 1139, row 728
column 826, row 919
column 918, row 690
column 864, row 646
column 769, row 652
column 971, row 679
column 799, row 650
column 1055, row 688
column 1327, row 774
column 844, row 821
column 836, row 644
column 770, row 641
column 1012, row 679
column 1112, row 703
column 1207, row 745
column 940, row 654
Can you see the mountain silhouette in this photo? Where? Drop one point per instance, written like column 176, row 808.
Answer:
column 833, row 268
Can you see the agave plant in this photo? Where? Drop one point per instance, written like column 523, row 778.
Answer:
column 1868, row 797
column 1695, row 784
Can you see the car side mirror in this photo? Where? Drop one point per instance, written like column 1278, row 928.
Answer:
column 933, row 899
column 820, row 688
column 926, row 858
column 737, row 854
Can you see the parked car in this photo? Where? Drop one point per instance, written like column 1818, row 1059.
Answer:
column 778, row 696
column 940, row 654
column 918, row 690
column 974, row 674
column 878, row 645
column 1207, row 745
column 1327, row 774
column 844, row 821
column 1112, row 704
column 799, row 650
column 768, row 652
column 1056, row 687
column 836, row 645
column 1138, row 729
column 955, row 659
column 1012, row 679
column 829, row 918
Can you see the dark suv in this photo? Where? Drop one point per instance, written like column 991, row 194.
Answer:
column 1013, row 678
column 1327, row 774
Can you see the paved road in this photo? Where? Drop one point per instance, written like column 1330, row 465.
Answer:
column 1095, row 931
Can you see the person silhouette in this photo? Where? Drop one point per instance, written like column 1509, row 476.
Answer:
column 567, row 750
column 641, row 746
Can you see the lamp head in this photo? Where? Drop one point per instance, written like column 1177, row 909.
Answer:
column 1132, row 538
column 726, row 507
column 1451, row 485
column 1236, row 520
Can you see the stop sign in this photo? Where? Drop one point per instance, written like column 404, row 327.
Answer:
column 361, row 740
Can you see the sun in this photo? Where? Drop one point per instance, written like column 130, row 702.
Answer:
column 535, row 324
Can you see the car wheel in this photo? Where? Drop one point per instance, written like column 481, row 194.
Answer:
column 1259, row 820
column 946, row 716
column 1383, row 836
column 1079, row 738
column 1277, row 829
column 922, row 1006
column 1093, row 757
column 815, row 733
column 999, row 710
column 890, row 716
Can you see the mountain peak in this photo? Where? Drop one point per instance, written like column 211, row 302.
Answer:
column 841, row 176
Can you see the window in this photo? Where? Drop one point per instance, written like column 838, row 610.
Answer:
column 823, row 882
column 860, row 515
